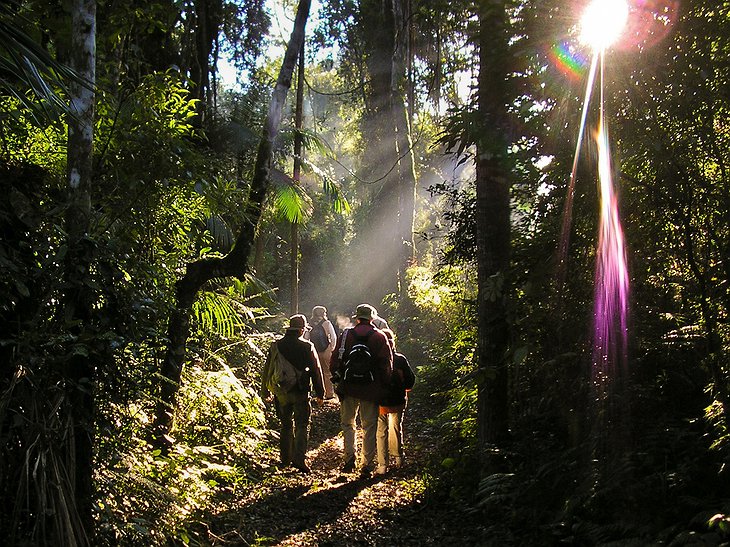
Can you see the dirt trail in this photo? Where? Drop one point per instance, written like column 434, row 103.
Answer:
column 328, row 508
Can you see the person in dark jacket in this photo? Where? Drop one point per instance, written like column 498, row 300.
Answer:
column 392, row 408
column 293, row 407
column 361, row 398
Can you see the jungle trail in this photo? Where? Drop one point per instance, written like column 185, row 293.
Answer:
column 329, row 507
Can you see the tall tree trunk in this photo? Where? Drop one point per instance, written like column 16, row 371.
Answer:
column 235, row 264
column 403, row 145
column 493, row 230
column 80, row 298
column 387, row 242
column 208, row 22
column 297, row 175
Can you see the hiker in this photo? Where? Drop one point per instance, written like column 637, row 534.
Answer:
column 392, row 408
column 378, row 321
column 292, row 400
column 361, row 364
column 324, row 338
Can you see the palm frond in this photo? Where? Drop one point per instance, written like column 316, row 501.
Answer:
column 331, row 188
column 290, row 200
column 216, row 312
column 221, row 232
column 313, row 142
column 35, row 73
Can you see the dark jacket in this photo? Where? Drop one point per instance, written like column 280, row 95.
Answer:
column 303, row 356
column 379, row 349
column 403, row 379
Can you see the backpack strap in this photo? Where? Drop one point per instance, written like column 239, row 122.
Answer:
column 342, row 343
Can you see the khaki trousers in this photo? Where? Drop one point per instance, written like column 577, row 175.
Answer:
column 349, row 408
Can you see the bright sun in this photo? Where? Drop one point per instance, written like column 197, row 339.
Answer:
column 603, row 22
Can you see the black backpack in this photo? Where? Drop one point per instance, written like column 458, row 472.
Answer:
column 358, row 364
column 318, row 337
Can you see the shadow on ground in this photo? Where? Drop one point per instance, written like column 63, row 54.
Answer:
column 328, row 508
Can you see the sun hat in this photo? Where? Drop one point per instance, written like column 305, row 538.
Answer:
column 365, row 311
column 298, row 322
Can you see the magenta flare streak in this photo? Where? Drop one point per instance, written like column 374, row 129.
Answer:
column 612, row 276
column 610, row 312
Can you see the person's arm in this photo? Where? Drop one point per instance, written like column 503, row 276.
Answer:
column 329, row 330
column 409, row 377
column 316, row 368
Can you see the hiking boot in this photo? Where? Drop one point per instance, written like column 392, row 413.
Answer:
column 349, row 466
column 398, row 462
column 380, row 470
column 365, row 472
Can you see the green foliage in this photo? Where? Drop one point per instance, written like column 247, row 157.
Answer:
column 438, row 337
column 219, row 435
column 29, row 73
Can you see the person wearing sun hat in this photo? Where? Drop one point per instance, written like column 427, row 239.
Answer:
column 294, row 408
column 361, row 398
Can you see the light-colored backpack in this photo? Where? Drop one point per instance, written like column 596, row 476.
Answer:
column 284, row 376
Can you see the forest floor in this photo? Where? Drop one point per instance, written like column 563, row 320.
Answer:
column 331, row 508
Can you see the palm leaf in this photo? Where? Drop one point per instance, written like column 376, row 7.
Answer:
column 332, row 189
column 313, row 142
column 214, row 312
column 32, row 68
column 290, row 200
column 221, row 232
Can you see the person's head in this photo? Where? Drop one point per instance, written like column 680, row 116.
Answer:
column 391, row 338
column 319, row 312
column 365, row 313
column 298, row 323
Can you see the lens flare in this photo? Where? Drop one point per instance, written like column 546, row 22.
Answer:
column 610, row 329
column 612, row 277
column 568, row 61
column 602, row 22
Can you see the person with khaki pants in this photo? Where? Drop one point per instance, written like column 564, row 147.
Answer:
column 358, row 394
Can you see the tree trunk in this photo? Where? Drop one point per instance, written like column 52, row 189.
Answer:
column 79, row 368
column 297, row 175
column 493, row 232
column 386, row 245
column 403, row 147
column 235, row 264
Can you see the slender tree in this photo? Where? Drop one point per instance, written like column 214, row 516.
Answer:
column 297, row 172
column 235, row 264
column 80, row 298
column 493, row 226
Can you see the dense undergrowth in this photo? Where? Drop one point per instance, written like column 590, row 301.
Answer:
column 644, row 463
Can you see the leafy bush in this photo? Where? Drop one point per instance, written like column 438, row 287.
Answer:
column 147, row 497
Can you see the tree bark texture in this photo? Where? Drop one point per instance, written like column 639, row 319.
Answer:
column 403, row 145
column 79, row 367
column 493, row 229
column 235, row 264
